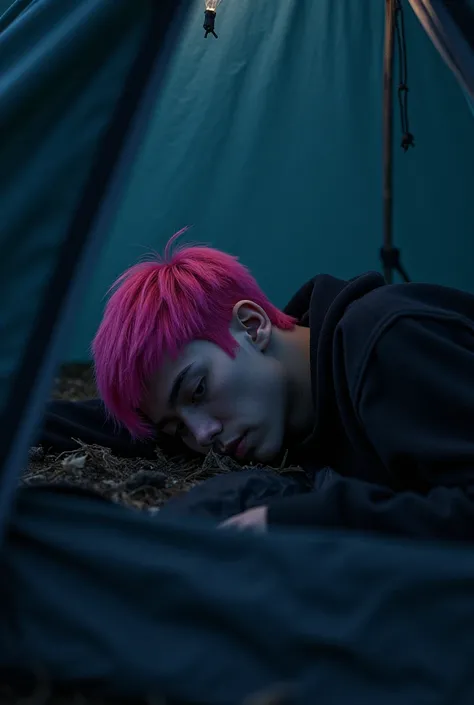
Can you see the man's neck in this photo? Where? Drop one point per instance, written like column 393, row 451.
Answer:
column 294, row 353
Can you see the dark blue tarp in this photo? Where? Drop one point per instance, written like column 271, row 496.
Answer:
column 133, row 604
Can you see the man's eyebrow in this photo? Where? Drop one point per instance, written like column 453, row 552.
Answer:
column 175, row 389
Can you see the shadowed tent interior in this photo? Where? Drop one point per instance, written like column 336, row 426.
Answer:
column 120, row 125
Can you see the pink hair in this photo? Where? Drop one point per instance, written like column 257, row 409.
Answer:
column 159, row 306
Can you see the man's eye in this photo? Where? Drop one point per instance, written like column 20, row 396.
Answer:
column 200, row 390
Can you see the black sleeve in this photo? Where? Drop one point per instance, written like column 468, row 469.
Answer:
column 347, row 503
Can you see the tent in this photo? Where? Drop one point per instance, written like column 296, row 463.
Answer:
column 102, row 109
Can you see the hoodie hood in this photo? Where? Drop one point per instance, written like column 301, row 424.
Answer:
column 321, row 303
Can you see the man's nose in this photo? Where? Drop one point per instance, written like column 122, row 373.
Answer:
column 204, row 429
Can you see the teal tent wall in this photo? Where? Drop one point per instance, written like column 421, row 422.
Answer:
column 268, row 141
column 4, row 5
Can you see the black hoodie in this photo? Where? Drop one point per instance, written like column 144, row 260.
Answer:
column 393, row 387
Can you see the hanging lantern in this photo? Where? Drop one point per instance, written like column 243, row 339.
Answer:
column 210, row 16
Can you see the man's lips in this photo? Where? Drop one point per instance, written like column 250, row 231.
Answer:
column 241, row 449
column 237, row 447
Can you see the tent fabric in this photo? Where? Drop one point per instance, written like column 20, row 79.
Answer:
column 67, row 101
column 132, row 605
column 450, row 26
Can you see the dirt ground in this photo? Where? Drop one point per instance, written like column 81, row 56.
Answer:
column 141, row 484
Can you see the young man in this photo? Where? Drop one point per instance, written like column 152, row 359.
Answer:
column 374, row 381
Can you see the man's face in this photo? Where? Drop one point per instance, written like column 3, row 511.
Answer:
column 235, row 405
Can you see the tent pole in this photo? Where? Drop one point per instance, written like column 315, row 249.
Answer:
column 388, row 136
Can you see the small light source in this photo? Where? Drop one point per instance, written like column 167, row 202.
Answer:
column 210, row 16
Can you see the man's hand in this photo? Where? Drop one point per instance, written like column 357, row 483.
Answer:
column 254, row 519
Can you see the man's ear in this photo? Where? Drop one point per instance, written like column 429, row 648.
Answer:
column 249, row 317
